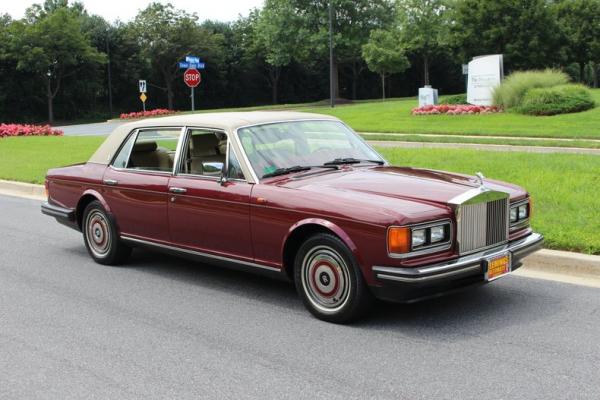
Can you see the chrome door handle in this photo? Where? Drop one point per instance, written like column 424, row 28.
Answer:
column 111, row 182
column 177, row 190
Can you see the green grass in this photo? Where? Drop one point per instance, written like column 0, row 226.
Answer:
column 26, row 159
column 565, row 187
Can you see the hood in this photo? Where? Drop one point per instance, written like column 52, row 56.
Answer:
column 432, row 187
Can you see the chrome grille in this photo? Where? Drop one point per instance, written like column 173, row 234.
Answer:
column 482, row 225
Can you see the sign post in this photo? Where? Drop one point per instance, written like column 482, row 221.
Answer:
column 143, row 97
column 191, row 76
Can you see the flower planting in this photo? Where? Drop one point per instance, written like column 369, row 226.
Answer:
column 459, row 109
column 149, row 113
column 7, row 130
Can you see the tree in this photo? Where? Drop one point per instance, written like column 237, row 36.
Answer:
column 166, row 36
column 424, row 26
column 384, row 55
column 53, row 47
column 579, row 21
column 525, row 31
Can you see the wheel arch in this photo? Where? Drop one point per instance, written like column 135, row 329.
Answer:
column 302, row 230
column 87, row 197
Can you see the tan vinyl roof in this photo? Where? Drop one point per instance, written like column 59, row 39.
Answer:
column 227, row 121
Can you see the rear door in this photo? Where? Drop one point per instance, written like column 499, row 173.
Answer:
column 136, row 183
column 205, row 213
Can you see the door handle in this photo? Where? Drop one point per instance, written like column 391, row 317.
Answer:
column 111, row 182
column 177, row 190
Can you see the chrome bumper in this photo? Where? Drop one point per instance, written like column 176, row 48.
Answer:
column 472, row 264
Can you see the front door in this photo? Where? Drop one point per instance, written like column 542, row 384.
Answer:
column 136, row 183
column 205, row 213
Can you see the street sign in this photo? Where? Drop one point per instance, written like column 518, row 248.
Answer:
column 143, row 97
column 187, row 65
column 142, row 85
column 192, row 77
column 192, row 59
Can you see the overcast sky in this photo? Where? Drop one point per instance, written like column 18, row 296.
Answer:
column 125, row 10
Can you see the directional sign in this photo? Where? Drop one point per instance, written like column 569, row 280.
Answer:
column 192, row 59
column 142, row 84
column 192, row 77
column 143, row 97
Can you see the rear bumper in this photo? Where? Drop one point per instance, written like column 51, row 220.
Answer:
column 63, row 215
column 413, row 284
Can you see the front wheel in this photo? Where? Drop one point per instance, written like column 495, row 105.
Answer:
column 101, row 237
column 329, row 280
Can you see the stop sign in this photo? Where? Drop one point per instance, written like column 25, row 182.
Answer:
column 191, row 77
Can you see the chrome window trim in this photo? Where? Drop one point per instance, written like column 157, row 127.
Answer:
column 247, row 161
column 428, row 250
column 136, row 132
column 199, row 253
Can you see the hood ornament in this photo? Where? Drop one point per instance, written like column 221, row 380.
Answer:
column 481, row 181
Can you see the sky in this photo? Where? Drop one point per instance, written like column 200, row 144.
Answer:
column 125, row 10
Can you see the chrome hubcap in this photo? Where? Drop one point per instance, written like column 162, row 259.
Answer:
column 98, row 233
column 325, row 279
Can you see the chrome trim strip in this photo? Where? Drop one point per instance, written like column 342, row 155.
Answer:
column 464, row 264
column 199, row 253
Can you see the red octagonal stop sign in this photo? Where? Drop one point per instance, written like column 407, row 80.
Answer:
column 191, row 77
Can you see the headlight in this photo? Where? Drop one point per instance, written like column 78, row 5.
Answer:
column 419, row 238
column 519, row 214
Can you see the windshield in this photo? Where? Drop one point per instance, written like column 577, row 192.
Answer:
column 272, row 147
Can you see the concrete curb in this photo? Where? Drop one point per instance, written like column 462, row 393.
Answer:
column 546, row 264
column 20, row 189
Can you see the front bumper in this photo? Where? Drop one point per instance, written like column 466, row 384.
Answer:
column 414, row 284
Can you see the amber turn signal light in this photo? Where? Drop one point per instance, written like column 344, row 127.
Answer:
column 398, row 240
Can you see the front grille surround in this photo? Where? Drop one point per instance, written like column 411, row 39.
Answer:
column 481, row 220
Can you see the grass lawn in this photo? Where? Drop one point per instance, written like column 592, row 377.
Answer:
column 394, row 116
column 27, row 159
column 565, row 187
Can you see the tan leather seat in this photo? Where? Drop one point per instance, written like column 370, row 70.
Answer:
column 204, row 148
column 147, row 155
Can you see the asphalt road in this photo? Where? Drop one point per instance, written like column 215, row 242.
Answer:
column 166, row 328
column 94, row 129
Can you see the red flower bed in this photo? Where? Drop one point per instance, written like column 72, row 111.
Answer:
column 144, row 114
column 28, row 130
column 459, row 109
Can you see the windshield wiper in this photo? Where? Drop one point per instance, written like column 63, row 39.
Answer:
column 295, row 168
column 351, row 160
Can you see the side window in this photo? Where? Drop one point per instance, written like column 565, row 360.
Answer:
column 204, row 153
column 149, row 150
column 235, row 170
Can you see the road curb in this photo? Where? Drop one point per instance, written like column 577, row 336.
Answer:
column 545, row 261
column 20, row 189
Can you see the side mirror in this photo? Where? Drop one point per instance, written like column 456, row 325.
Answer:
column 223, row 178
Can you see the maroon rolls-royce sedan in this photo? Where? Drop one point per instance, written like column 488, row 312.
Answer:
column 296, row 195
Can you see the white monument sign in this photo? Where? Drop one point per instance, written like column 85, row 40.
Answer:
column 428, row 96
column 485, row 73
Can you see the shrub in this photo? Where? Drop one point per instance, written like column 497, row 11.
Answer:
column 511, row 92
column 456, row 99
column 556, row 100
column 149, row 113
column 28, row 130
column 455, row 109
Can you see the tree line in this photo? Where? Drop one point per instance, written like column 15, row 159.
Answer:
column 60, row 62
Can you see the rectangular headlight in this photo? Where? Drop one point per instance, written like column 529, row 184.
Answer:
column 419, row 237
column 514, row 215
column 437, row 234
column 523, row 211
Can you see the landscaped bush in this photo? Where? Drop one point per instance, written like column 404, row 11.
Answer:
column 456, row 99
column 458, row 109
column 556, row 100
column 144, row 114
column 512, row 90
column 28, row 130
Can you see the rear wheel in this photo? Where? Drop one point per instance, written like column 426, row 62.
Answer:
column 100, row 236
column 329, row 280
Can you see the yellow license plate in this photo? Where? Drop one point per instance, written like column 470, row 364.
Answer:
column 497, row 267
